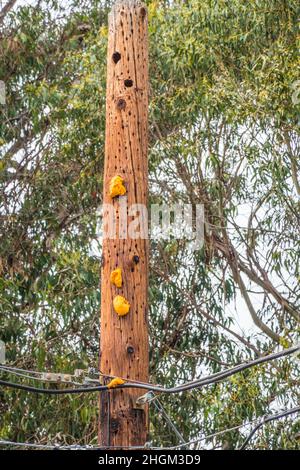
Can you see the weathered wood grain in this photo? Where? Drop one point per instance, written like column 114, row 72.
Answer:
column 124, row 340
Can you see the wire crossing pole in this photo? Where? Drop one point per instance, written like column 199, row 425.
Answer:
column 124, row 336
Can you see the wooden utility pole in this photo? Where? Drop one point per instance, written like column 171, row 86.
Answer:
column 124, row 336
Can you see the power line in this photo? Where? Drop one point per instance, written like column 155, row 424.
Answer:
column 214, row 378
column 266, row 420
column 216, row 434
column 239, row 426
column 159, row 407
column 64, row 447
column 24, row 375
column 52, row 391
column 263, row 421
column 28, row 375
column 29, row 445
column 17, row 369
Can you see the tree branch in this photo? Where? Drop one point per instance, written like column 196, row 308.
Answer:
column 6, row 9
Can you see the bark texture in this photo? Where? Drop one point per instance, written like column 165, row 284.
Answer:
column 124, row 340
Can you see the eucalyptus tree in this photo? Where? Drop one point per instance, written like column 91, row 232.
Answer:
column 224, row 123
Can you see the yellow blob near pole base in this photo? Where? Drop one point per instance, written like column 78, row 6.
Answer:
column 116, row 187
column 121, row 305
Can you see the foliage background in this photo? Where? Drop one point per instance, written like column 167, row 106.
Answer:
column 224, row 122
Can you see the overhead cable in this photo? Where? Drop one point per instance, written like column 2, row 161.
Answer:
column 268, row 419
column 198, row 383
column 264, row 420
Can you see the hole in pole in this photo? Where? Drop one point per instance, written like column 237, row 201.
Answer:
column 130, row 349
column 121, row 104
column 143, row 12
column 116, row 57
column 128, row 83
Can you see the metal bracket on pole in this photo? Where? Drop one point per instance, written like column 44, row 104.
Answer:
column 56, row 378
column 145, row 399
